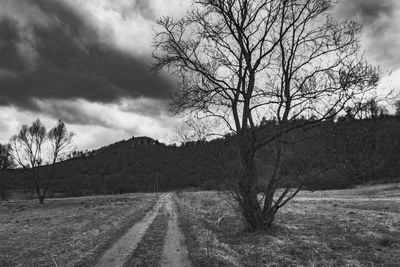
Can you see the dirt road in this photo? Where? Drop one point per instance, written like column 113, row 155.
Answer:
column 174, row 251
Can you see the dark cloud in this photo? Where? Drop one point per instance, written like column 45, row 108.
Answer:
column 78, row 112
column 74, row 113
column 65, row 59
column 144, row 8
column 379, row 18
column 367, row 12
column 9, row 57
column 145, row 107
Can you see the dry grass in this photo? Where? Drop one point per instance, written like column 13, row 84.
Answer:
column 357, row 227
column 66, row 232
column 360, row 192
column 198, row 215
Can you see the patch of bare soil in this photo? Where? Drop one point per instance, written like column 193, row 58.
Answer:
column 150, row 249
column 121, row 250
column 154, row 241
column 175, row 251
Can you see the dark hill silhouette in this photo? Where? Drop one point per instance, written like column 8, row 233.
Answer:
column 350, row 152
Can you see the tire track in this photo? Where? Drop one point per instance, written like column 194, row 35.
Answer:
column 175, row 252
column 121, row 250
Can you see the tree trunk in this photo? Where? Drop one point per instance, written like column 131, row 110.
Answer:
column 41, row 195
column 41, row 198
column 250, row 206
column 269, row 209
column 3, row 192
column 256, row 218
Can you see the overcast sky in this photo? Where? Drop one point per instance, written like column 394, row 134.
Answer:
column 85, row 61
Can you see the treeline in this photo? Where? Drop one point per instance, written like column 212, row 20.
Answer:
column 121, row 169
column 332, row 155
column 357, row 152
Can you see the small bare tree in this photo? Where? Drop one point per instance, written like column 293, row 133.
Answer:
column 60, row 139
column 28, row 146
column 237, row 61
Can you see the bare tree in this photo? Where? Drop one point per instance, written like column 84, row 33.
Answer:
column 238, row 61
column 27, row 148
column 60, row 139
column 6, row 161
column 28, row 151
column 370, row 108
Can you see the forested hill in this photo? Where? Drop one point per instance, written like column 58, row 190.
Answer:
column 337, row 155
column 126, row 166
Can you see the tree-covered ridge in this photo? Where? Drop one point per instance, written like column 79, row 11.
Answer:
column 335, row 155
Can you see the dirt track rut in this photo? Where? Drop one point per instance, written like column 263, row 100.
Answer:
column 174, row 251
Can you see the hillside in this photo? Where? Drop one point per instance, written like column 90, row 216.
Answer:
column 335, row 155
column 125, row 166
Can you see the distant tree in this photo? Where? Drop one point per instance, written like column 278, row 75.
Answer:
column 371, row 108
column 60, row 139
column 6, row 160
column 29, row 151
column 27, row 148
column 237, row 61
column 397, row 105
column 332, row 115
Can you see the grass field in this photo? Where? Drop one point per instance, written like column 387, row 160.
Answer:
column 66, row 232
column 357, row 227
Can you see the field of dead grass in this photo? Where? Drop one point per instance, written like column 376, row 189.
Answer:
column 356, row 227
column 66, row 232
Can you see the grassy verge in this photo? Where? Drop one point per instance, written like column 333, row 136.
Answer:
column 150, row 249
column 203, row 247
column 191, row 241
column 307, row 232
column 66, row 232
column 115, row 234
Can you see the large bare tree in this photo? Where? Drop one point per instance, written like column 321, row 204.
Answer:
column 237, row 61
column 29, row 151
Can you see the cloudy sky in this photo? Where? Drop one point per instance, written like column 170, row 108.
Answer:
column 85, row 61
